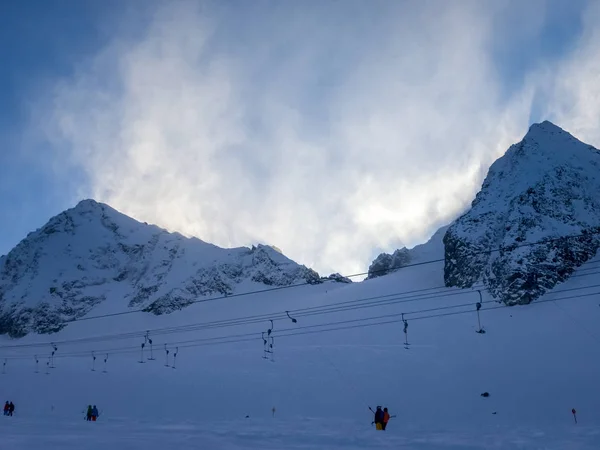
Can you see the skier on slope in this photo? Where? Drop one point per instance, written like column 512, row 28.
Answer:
column 386, row 418
column 378, row 421
column 6, row 408
column 88, row 415
column 11, row 408
column 94, row 413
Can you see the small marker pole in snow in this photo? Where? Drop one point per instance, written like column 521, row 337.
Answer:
column 478, row 307
column 93, row 362
column 105, row 361
column 574, row 414
column 166, row 356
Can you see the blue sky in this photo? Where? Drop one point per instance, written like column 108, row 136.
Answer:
column 358, row 126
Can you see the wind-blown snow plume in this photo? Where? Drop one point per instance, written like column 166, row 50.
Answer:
column 315, row 124
column 574, row 90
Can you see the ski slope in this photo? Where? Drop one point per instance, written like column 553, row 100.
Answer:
column 536, row 361
column 276, row 434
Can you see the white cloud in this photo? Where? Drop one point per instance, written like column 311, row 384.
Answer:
column 572, row 87
column 326, row 138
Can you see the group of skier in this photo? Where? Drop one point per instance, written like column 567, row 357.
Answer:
column 9, row 408
column 382, row 417
column 92, row 413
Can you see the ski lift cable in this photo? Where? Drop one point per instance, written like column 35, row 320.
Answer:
column 127, row 335
column 346, row 309
column 355, row 326
column 578, row 322
column 279, row 288
column 240, row 320
column 326, row 309
column 306, row 312
column 296, row 332
column 226, row 322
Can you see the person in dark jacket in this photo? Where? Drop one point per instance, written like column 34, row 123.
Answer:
column 379, row 418
column 88, row 416
column 6, row 408
column 11, row 408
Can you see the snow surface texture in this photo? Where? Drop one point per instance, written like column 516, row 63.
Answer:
column 545, row 187
column 278, row 434
column 537, row 362
column 84, row 255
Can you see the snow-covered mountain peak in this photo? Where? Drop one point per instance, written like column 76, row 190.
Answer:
column 550, row 137
column 546, row 153
column 543, row 188
column 543, row 128
column 92, row 253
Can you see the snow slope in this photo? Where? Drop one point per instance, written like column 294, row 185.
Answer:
column 276, row 434
column 537, row 362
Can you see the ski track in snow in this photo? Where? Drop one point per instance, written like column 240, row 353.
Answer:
column 51, row 434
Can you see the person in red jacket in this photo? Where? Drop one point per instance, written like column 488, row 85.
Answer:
column 386, row 418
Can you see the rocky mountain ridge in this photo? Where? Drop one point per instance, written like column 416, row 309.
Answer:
column 92, row 254
column 543, row 190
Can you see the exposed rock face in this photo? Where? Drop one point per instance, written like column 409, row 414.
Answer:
column 544, row 188
column 337, row 277
column 91, row 254
column 386, row 263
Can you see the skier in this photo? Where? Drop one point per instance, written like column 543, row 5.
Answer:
column 378, row 418
column 94, row 413
column 11, row 409
column 386, row 418
column 6, row 408
column 89, row 413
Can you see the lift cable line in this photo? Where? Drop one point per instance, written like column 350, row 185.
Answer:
column 339, row 307
column 321, row 328
column 247, row 319
column 382, row 271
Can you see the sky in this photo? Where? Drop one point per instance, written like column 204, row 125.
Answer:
column 333, row 129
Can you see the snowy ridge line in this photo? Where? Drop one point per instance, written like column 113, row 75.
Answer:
column 295, row 331
column 386, row 271
column 387, row 300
